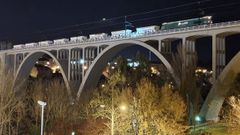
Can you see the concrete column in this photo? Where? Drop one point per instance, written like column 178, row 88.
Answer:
column 221, row 57
column 15, row 64
column 73, row 65
column 17, row 61
column 218, row 55
column 86, row 57
column 93, row 54
column 78, row 64
column 160, row 45
column 98, row 50
column 69, row 64
column 166, row 47
column 83, row 57
column 89, row 56
column 214, row 53
column 184, row 49
column 57, row 54
column 189, row 51
column 2, row 59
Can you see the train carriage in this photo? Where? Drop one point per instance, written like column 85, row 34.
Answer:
column 187, row 23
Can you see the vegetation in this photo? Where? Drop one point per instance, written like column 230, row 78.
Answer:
column 142, row 110
column 11, row 107
column 184, row 69
column 140, row 68
column 132, row 101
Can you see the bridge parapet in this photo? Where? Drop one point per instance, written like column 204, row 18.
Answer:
column 139, row 36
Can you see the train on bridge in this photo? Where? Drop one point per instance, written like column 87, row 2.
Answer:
column 141, row 31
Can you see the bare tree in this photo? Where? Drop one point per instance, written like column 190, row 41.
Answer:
column 148, row 109
column 11, row 106
column 58, row 106
column 184, row 66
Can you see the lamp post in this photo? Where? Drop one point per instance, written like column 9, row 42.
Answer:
column 42, row 104
column 122, row 108
column 197, row 120
column 134, row 119
column 112, row 122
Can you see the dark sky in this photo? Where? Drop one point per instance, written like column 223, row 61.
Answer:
column 32, row 20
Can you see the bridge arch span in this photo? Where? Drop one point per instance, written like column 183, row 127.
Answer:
column 29, row 61
column 94, row 72
column 228, row 33
column 214, row 101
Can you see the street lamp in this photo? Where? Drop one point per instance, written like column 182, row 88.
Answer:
column 197, row 120
column 123, row 107
column 42, row 104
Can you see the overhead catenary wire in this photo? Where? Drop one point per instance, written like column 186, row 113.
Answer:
column 187, row 11
column 128, row 15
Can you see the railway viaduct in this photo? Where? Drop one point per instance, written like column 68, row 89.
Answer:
column 81, row 63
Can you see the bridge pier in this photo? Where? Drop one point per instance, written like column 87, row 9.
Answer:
column 62, row 57
column 218, row 55
column 166, row 46
column 189, row 51
column 75, row 65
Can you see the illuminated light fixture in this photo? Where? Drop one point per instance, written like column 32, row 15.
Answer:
column 48, row 63
column 102, row 106
column 135, row 64
column 123, row 107
column 198, row 118
column 81, row 61
column 204, row 70
column 85, row 67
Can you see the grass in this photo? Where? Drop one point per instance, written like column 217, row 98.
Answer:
column 214, row 129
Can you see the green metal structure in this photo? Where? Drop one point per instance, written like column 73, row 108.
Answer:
column 187, row 23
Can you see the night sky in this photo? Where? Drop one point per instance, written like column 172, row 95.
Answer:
column 31, row 20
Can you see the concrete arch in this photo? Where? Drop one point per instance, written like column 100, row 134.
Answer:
column 195, row 37
column 213, row 103
column 93, row 73
column 25, row 67
column 103, row 46
column 149, row 39
column 153, row 43
column 228, row 33
column 171, row 39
